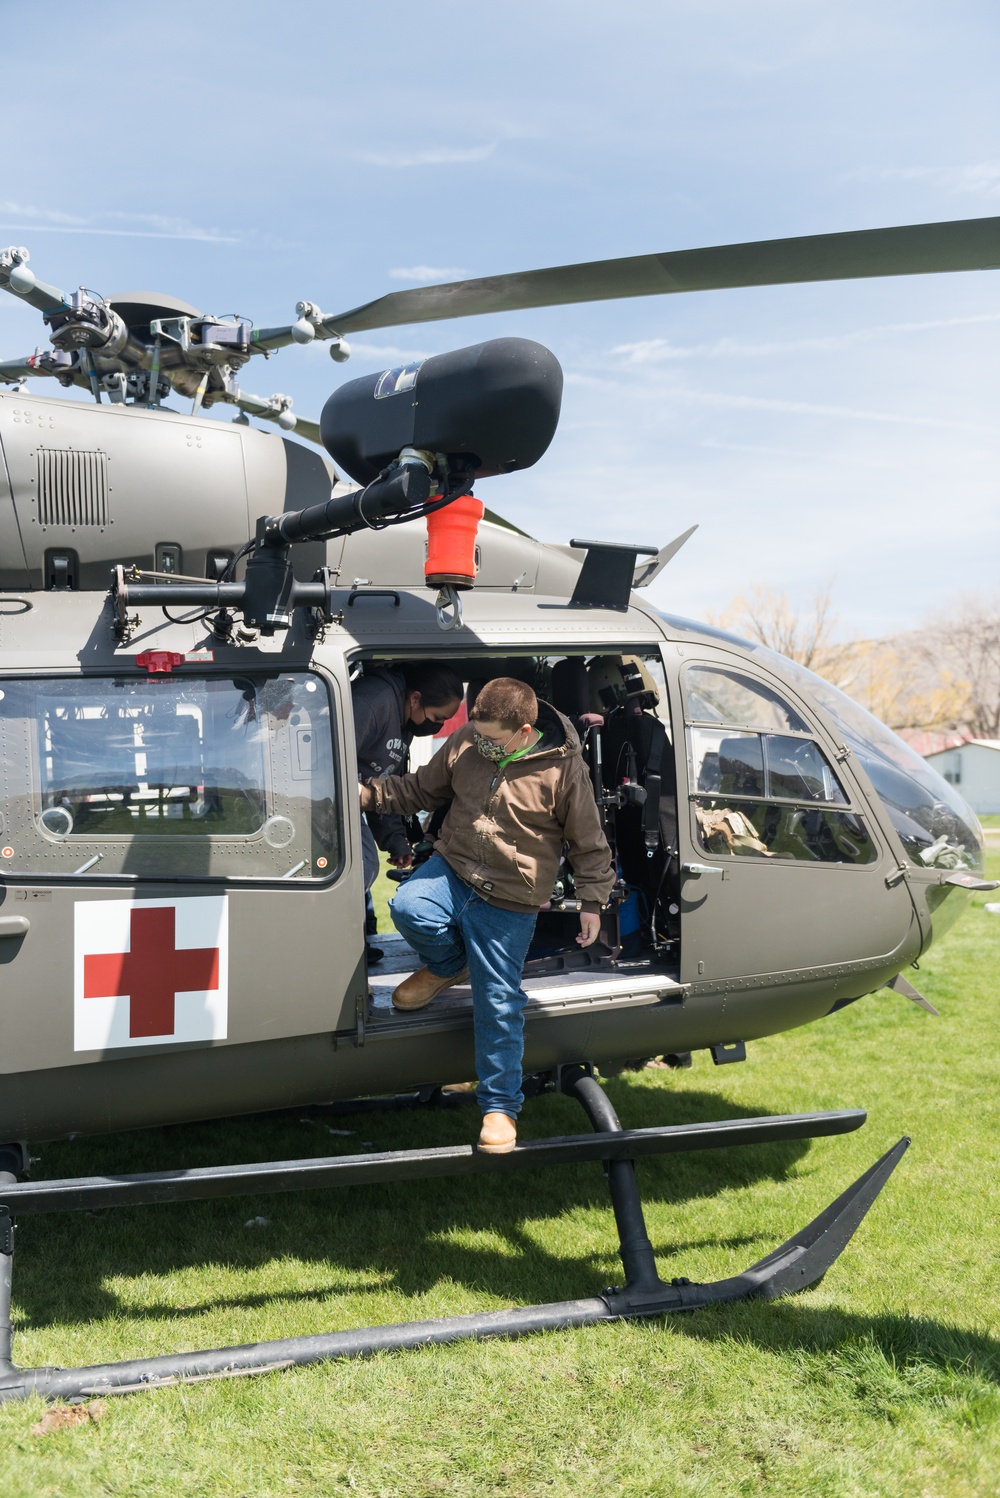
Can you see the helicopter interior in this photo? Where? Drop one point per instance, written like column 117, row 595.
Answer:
column 617, row 702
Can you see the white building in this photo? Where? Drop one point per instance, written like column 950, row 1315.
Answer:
column 974, row 770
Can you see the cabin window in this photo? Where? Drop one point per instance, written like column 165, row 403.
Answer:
column 180, row 777
column 761, row 786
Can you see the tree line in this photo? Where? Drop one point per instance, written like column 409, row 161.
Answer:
column 943, row 677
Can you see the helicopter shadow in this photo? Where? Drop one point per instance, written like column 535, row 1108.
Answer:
column 848, row 1339
column 484, row 1233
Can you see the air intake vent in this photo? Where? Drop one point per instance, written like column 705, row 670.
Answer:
column 72, row 487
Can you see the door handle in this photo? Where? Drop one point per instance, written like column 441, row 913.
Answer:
column 700, row 868
column 13, row 925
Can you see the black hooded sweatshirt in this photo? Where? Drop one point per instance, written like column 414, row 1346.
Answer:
column 382, row 739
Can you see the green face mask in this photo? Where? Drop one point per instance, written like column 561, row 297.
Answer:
column 495, row 753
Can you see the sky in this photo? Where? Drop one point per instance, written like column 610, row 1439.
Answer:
column 244, row 157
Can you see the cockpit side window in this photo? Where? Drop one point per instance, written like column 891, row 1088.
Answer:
column 760, row 784
column 936, row 827
column 182, row 777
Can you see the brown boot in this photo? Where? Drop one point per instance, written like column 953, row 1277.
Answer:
column 416, row 991
column 498, row 1135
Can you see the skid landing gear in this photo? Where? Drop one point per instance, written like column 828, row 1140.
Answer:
column 795, row 1265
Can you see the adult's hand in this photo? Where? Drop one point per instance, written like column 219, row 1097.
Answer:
column 590, row 928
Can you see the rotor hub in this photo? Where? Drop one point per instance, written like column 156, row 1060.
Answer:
column 86, row 322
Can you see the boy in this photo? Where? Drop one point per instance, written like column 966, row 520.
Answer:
column 519, row 790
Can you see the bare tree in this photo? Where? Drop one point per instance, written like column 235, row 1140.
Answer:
column 803, row 635
column 966, row 641
column 910, row 681
column 902, row 683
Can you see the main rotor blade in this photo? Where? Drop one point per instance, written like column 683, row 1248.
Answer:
column 308, row 429
column 13, row 371
column 38, row 294
column 912, row 250
column 495, row 518
column 267, row 339
column 271, row 408
column 42, row 296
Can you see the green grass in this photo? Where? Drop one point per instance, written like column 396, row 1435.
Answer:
column 881, row 1380
column 382, row 892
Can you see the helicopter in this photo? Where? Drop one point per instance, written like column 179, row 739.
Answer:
column 185, row 605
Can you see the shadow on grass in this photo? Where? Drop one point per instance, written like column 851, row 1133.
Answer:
column 404, row 1238
column 847, row 1339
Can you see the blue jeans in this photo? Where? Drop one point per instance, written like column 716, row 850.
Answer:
column 450, row 927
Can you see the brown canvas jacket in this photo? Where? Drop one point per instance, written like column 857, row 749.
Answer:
column 505, row 829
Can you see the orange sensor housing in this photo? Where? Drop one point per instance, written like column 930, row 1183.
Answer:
column 451, row 543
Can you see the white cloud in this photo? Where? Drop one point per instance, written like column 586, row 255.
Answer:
column 431, row 156
column 168, row 227
column 662, row 391
column 43, row 215
column 204, row 236
column 761, row 449
column 810, row 408
column 662, row 351
column 982, row 178
column 428, row 273
column 35, row 220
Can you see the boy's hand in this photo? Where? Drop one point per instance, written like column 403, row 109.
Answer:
column 401, row 860
column 590, row 928
column 365, row 793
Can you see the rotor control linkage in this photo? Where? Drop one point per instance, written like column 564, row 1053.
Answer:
column 795, row 1265
column 414, row 486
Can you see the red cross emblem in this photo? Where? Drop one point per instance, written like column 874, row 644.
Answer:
column 152, row 973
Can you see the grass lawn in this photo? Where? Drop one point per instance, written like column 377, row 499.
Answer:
column 382, row 892
column 882, row 1380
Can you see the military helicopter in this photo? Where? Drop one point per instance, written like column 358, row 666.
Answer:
column 185, row 605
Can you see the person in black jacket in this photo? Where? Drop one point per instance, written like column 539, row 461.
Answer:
column 392, row 706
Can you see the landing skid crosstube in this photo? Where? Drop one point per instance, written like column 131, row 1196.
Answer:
column 795, row 1265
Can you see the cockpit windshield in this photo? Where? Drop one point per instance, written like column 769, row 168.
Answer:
column 936, row 827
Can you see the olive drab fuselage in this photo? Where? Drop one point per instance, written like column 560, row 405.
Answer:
column 268, row 894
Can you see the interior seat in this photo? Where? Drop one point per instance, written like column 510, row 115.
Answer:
column 570, row 695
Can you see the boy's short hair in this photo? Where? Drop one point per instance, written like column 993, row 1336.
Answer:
column 506, row 701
